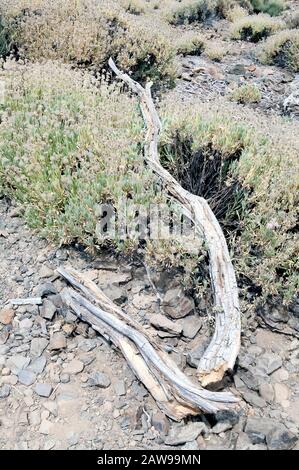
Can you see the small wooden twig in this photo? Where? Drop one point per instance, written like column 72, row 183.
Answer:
column 223, row 349
column 28, row 301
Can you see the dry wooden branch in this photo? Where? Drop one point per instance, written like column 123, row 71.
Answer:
column 174, row 392
column 223, row 349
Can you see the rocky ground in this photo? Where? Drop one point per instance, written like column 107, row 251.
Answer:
column 62, row 386
column 208, row 79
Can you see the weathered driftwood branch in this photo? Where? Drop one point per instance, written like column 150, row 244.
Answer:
column 224, row 346
column 174, row 392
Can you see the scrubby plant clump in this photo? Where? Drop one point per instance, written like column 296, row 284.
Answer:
column 247, row 168
column 194, row 11
column 255, row 27
column 190, row 44
column 246, row 94
column 87, row 33
column 282, row 49
column 67, row 146
column 272, row 7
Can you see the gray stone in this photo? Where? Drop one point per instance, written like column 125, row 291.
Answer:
column 34, row 418
column 45, row 271
column 38, row 364
column 162, row 323
column 228, row 416
column 51, row 406
column 190, row 446
column 280, row 439
column 269, row 362
column 74, row 367
column 48, row 310
column 43, row 290
column 221, row 427
column 5, row 391
column 87, row 345
column 26, row 377
column 57, row 341
column 45, row 427
column 38, row 345
column 98, row 379
column 250, row 380
column 17, row 363
column 191, row 326
column 266, row 392
column 254, row 399
column 115, row 293
column 243, row 442
column 194, row 356
column 43, row 389
column 120, row 388
column 160, row 423
column 64, row 378
column 176, row 304
column 187, row 433
column 261, row 430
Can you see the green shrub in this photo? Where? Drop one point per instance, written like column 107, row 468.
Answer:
column 193, row 11
column 66, row 146
column 5, row 38
column 246, row 94
column 247, row 167
column 191, row 44
column 282, row 49
column 255, row 27
column 272, row 7
column 87, row 33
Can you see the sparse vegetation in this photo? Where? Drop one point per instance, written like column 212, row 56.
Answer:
column 272, row 7
column 255, row 185
column 87, row 33
column 282, row 49
column 191, row 44
column 246, row 94
column 255, row 27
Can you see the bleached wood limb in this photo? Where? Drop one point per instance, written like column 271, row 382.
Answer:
column 28, row 301
column 223, row 349
column 174, row 392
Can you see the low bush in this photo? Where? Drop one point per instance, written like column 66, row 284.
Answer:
column 87, row 33
column 190, row 44
column 247, row 167
column 194, row 11
column 282, row 49
column 246, row 94
column 255, row 27
column 272, row 7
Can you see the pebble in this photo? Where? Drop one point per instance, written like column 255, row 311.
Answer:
column 5, row 391
column 57, row 341
column 120, row 388
column 6, row 315
column 26, row 377
column 38, row 345
column 48, row 310
column 74, row 367
column 191, row 326
column 266, row 391
column 45, row 427
column 45, row 272
column 98, row 379
column 43, row 389
column 37, row 365
column 187, row 433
